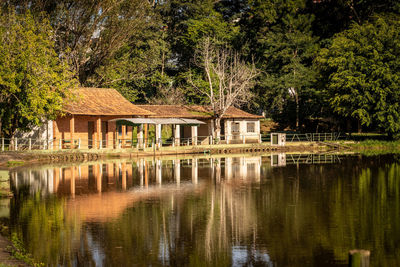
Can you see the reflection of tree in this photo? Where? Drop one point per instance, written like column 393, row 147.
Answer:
column 335, row 208
column 41, row 225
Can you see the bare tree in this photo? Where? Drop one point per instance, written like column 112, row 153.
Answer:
column 228, row 77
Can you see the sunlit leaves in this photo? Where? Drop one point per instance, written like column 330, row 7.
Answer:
column 362, row 70
column 34, row 79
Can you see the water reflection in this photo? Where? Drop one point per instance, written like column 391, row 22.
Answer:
column 210, row 211
column 104, row 177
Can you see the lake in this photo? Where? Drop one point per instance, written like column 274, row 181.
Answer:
column 254, row 210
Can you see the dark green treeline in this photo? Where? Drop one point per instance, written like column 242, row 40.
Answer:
column 324, row 64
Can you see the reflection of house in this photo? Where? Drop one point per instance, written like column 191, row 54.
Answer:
column 278, row 159
column 243, row 168
column 237, row 125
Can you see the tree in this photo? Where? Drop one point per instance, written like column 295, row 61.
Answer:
column 279, row 35
column 89, row 33
column 332, row 17
column 189, row 21
column 225, row 79
column 33, row 79
column 138, row 70
column 361, row 69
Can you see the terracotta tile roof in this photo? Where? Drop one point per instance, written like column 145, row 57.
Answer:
column 194, row 112
column 102, row 101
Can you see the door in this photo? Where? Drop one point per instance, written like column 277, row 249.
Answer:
column 235, row 131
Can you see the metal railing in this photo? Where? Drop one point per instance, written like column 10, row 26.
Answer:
column 308, row 137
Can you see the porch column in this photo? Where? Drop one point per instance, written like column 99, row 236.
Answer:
column 140, row 135
column 194, row 135
column 158, row 135
column 177, row 135
column 123, row 129
column 98, row 133
column 108, row 134
column 195, row 172
column 72, row 130
column 146, row 126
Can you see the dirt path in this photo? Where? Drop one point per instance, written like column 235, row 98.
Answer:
column 5, row 256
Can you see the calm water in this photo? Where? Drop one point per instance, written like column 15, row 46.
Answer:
column 284, row 210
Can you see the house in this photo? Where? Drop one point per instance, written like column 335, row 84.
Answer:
column 103, row 118
column 237, row 126
column 87, row 121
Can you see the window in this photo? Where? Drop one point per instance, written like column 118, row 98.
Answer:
column 235, row 127
column 251, row 127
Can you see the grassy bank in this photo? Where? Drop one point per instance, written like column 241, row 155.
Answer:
column 374, row 146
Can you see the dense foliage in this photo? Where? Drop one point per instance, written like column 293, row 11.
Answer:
column 322, row 63
column 33, row 79
column 362, row 70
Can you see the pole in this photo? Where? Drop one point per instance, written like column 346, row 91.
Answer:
column 16, row 143
column 30, row 144
column 2, row 144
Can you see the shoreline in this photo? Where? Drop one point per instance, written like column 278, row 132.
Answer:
column 7, row 249
column 11, row 159
column 18, row 158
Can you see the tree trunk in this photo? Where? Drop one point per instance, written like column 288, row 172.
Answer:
column 359, row 129
column 217, row 128
column 297, row 111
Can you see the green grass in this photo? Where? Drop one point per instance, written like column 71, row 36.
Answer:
column 14, row 163
column 373, row 147
column 18, row 252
